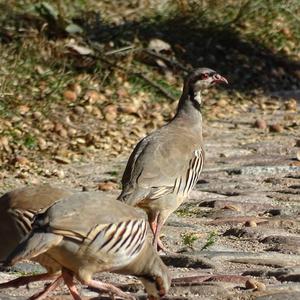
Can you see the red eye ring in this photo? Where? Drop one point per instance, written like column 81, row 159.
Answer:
column 204, row 76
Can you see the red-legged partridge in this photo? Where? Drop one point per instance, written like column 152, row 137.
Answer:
column 165, row 165
column 91, row 232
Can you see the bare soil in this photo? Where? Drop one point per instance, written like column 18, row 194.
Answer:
column 239, row 233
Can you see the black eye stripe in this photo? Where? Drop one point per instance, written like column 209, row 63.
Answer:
column 205, row 75
column 202, row 76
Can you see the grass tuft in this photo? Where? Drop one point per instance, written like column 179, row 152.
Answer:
column 211, row 240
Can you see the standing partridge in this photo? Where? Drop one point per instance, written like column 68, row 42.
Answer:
column 165, row 165
column 17, row 210
column 91, row 232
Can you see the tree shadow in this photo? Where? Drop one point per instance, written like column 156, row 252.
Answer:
column 248, row 64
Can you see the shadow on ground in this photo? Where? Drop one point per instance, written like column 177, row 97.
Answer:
column 247, row 64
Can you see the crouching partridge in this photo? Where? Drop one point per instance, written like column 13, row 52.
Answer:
column 17, row 210
column 165, row 165
column 91, row 232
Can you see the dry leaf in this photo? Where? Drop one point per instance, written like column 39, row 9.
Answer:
column 107, row 186
column 80, row 49
column 158, row 46
column 70, row 95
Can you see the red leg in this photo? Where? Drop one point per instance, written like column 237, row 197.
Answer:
column 153, row 224
column 160, row 246
column 23, row 280
column 109, row 288
column 157, row 243
column 52, row 286
column 157, row 232
column 69, row 281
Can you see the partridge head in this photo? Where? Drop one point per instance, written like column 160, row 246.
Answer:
column 200, row 79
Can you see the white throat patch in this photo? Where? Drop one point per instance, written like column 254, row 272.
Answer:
column 197, row 97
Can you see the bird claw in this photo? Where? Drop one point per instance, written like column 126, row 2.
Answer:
column 161, row 247
column 52, row 286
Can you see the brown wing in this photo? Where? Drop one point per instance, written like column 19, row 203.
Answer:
column 82, row 211
column 156, row 163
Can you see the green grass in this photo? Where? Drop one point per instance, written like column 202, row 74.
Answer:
column 190, row 210
column 113, row 173
column 274, row 23
column 26, row 71
column 185, row 212
column 189, row 238
column 211, row 240
column 30, row 141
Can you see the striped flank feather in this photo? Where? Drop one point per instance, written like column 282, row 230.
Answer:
column 122, row 239
column 193, row 172
column 23, row 219
column 185, row 183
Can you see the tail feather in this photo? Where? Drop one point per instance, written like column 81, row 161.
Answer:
column 35, row 244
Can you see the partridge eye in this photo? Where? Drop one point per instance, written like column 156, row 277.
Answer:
column 204, row 76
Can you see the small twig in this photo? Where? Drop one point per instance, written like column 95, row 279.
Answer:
column 166, row 59
column 123, row 49
column 157, row 86
column 142, row 76
column 154, row 84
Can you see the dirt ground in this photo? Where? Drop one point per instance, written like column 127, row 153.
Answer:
column 239, row 233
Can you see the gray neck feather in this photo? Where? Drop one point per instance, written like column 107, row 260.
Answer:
column 189, row 106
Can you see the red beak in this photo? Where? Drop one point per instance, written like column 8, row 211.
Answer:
column 219, row 79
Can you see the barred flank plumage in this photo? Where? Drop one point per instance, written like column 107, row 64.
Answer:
column 120, row 239
column 125, row 238
column 185, row 183
column 23, row 219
